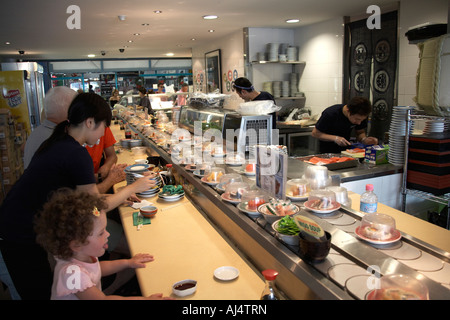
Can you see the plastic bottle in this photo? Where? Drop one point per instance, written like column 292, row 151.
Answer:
column 369, row 200
column 127, row 132
column 270, row 291
column 170, row 179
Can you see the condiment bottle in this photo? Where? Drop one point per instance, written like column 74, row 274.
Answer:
column 170, row 179
column 369, row 200
column 127, row 132
column 270, row 291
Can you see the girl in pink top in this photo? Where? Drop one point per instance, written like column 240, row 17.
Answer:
column 72, row 227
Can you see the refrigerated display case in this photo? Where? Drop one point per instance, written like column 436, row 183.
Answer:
column 245, row 131
column 22, row 86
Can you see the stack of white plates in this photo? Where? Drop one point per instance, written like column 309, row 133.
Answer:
column 397, row 133
column 293, row 84
column 267, row 86
column 149, row 193
column 134, row 171
column 276, row 87
column 130, row 171
column 292, row 54
column 433, row 126
column 272, row 51
column 283, row 48
column 171, row 197
column 285, row 89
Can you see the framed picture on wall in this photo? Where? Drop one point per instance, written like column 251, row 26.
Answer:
column 213, row 71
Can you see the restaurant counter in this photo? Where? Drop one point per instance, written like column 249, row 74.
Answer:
column 185, row 245
column 299, row 279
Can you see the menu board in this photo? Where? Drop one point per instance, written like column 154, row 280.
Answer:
column 271, row 170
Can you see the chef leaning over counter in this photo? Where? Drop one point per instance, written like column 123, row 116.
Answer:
column 337, row 122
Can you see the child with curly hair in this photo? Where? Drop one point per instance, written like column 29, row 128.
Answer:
column 72, row 227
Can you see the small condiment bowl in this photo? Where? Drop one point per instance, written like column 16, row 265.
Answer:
column 184, row 287
column 314, row 250
column 148, row 211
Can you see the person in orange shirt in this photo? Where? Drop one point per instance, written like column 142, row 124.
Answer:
column 109, row 173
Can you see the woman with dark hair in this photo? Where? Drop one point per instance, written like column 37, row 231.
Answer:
column 60, row 161
column 144, row 101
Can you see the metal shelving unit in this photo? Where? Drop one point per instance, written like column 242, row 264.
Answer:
column 443, row 199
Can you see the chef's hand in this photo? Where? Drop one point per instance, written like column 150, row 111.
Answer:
column 340, row 141
column 370, row 140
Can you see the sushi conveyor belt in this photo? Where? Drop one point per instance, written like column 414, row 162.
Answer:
column 353, row 263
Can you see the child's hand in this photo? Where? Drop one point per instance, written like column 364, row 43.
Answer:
column 139, row 260
column 158, row 296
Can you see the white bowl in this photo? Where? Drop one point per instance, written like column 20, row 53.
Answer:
column 184, row 292
column 288, row 239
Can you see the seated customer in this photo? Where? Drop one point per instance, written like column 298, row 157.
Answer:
column 56, row 103
column 72, row 228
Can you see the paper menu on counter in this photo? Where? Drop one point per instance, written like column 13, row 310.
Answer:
column 271, row 170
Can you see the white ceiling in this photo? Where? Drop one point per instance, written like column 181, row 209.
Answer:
column 38, row 27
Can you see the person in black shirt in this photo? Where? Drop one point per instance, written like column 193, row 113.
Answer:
column 145, row 102
column 337, row 122
column 246, row 91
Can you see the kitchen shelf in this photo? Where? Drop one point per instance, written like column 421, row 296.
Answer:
column 441, row 199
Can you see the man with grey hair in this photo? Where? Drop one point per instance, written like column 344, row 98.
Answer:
column 56, row 104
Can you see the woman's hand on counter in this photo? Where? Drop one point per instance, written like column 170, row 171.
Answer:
column 143, row 184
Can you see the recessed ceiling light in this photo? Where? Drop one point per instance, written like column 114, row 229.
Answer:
column 7, row 42
column 193, row 39
column 211, row 30
column 157, row 11
column 144, row 24
column 136, row 34
column 169, row 54
column 130, row 41
column 91, row 55
column 210, row 17
column 122, row 17
column 292, row 20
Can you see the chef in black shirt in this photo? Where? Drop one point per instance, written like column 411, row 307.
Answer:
column 246, row 91
column 336, row 123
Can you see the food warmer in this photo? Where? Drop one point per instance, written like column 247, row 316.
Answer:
column 221, row 119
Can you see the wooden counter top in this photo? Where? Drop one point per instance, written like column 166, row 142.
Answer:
column 185, row 245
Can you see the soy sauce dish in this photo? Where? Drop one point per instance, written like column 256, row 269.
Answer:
column 184, row 288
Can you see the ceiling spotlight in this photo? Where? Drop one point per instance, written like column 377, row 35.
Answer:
column 193, row 39
column 130, row 41
column 122, row 17
column 136, row 34
column 211, row 30
column 144, row 24
column 157, row 11
column 292, row 20
column 7, row 42
column 210, row 17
